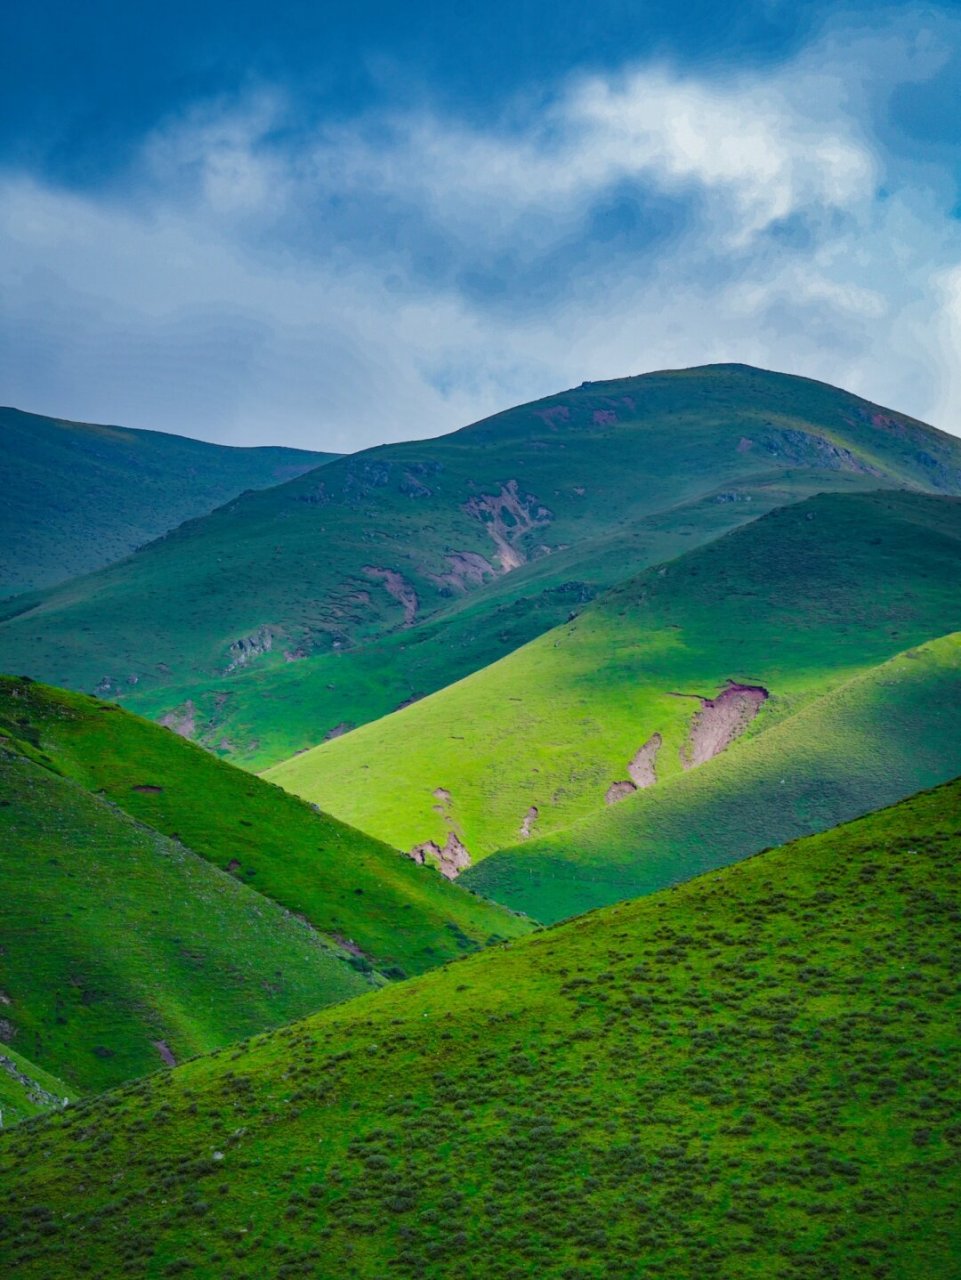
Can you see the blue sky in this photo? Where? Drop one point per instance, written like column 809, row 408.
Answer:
column 337, row 224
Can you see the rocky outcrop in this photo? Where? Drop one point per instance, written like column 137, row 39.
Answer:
column 509, row 517
column 243, row 651
column 466, row 569
column 450, row 859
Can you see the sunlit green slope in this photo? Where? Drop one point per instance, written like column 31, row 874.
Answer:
column 881, row 736
column 355, row 891
column 792, row 605
column 77, row 496
column 596, row 483
column 753, row 1075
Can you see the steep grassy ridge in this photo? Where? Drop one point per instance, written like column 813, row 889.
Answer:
column 797, row 603
column 77, row 496
column 356, row 891
column 381, row 541
column 753, row 1075
column 27, row 1090
column 120, row 948
column 878, row 738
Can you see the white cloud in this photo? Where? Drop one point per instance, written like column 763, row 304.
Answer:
column 255, row 281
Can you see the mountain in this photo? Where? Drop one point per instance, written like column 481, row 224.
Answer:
column 293, row 614
column 640, row 690
column 751, row 1075
column 159, row 903
column 78, row 496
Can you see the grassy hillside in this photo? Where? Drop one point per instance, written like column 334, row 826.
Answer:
column 878, row 738
column 794, row 604
column 27, row 1090
column 381, row 542
column 121, row 949
column 78, row 496
column 753, row 1075
column 357, row 892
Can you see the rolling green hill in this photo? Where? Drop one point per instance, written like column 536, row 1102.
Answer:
column 300, row 611
column 788, row 608
column 878, row 738
column 349, row 887
column 752, row 1075
column 77, row 496
column 155, row 896
column 121, row 950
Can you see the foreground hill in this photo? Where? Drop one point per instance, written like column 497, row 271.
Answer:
column 78, row 496
column 650, row 682
column 751, row 1075
column 596, row 483
column 158, row 902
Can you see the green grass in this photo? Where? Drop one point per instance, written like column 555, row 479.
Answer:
column 609, row 478
column 27, row 1090
column 752, row 1075
column 352, row 889
column 114, row 938
column 77, row 496
column 800, row 601
column 878, row 738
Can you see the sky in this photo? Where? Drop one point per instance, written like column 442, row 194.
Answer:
column 337, row 224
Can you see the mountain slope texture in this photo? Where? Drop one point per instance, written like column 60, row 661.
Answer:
column 748, row 1076
column 77, row 496
column 282, row 593
column 158, row 902
column 698, row 658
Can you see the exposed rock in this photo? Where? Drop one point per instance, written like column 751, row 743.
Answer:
column 165, row 1051
column 450, row 860
column 182, row 719
column 294, row 655
column 398, row 587
column 530, row 817
column 618, row 791
column 641, row 768
column 467, row 569
column 247, row 648
column 338, row 730
column 721, row 720
column 508, row 517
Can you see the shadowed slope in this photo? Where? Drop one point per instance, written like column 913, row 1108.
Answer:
column 77, row 496
column 752, row 1075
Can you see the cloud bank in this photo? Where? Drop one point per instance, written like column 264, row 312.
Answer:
column 258, row 276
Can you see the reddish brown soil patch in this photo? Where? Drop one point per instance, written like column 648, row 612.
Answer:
column 530, row 817
column 450, row 860
column 147, row 789
column 619, row 791
column 604, row 417
column 721, row 720
column 182, row 720
column 165, row 1051
column 398, row 587
column 641, row 768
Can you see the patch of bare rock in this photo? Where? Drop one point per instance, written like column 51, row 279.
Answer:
column 641, row 769
column 450, row 859
column 508, row 517
column 720, row 721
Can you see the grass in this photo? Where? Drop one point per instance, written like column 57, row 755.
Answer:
column 153, row 893
column 27, row 1090
column 609, row 477
column 78, row 496
column 800, row 601
column 751, row 1075
column 880, row 737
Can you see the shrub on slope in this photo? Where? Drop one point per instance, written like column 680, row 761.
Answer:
column 751, row 1075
